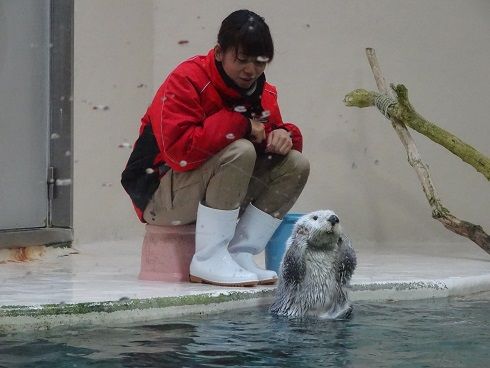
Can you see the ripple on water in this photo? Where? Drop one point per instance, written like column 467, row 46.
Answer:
column 445, row 332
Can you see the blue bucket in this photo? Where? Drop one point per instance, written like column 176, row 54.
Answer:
column 276, row 247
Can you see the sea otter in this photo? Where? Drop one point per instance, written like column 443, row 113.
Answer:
column 316, row 269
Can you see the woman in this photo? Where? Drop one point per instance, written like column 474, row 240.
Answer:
column 213, row 142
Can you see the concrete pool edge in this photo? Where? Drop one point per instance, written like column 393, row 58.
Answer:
column 47, row 316
column 420, row 289
column 182, row 302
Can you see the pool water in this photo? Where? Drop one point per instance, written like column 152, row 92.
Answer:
column 430, row 333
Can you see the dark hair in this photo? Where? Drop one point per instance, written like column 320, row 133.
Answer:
column 246, row 30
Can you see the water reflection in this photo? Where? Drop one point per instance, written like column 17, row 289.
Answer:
column 405, row 334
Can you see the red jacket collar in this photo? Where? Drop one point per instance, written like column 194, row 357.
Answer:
column 216, row 79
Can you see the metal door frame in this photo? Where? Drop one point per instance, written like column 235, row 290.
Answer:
column 59, row 178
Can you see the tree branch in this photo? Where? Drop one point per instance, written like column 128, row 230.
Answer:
column 402, row 110
column 400, row 113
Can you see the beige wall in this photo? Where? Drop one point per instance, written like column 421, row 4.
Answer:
column 113, row 68
column 439, row 49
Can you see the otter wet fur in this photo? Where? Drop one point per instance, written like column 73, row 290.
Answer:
column 316, row 269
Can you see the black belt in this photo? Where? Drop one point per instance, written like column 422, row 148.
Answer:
column 162, row 169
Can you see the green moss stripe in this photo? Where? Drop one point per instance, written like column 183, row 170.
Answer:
column 400, row 286
column 128, row 304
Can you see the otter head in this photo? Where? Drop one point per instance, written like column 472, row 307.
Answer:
column 320, row 230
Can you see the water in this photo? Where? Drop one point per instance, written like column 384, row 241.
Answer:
column 431, row 333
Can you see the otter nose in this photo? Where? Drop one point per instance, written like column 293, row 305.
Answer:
column 333, row 220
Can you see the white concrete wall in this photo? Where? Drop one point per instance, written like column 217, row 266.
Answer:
column 113, row 68
column 438, row 48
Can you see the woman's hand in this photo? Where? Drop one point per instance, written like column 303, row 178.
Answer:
column 279, row 141
column 257, row 134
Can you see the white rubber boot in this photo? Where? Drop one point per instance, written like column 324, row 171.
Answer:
column 212, row 263
column 253, row 231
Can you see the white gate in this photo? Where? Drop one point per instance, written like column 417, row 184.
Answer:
column 35, row 122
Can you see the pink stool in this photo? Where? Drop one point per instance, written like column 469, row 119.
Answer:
column 167, row 252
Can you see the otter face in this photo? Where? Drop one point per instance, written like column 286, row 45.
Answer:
column 320, row 229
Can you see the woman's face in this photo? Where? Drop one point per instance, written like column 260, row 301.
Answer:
column 242, row 69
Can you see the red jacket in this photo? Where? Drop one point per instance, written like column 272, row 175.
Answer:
column 192, row 117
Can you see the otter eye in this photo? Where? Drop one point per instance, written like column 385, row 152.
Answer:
column 315, row 217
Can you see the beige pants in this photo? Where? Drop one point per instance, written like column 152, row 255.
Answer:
column 234, row 177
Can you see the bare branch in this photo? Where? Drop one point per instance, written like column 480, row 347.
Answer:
column 402, row 113
column 401, row 110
